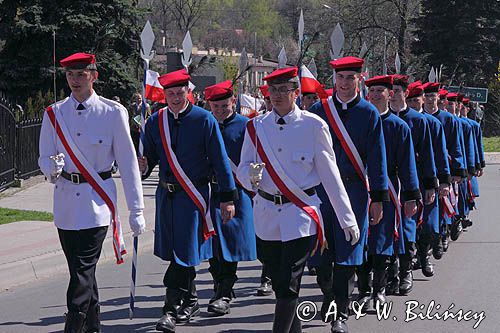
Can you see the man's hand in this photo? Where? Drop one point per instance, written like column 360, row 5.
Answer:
column 352, row 234
column 444, row 190
column 255, row 173
column 480, row 172
column 227, row 211
column 137, row 222
column 430, row 196
column 376, row 212
column 143, row 164
column 410, row 208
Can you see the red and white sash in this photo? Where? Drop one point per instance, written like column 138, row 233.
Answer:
column 92, row 177
column 395, row 198
column 284, row 184
column 183, row 179
column 344, row 138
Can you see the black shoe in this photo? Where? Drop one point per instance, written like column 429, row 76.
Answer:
column 392, row 287
column 456, row 229
column 187, row 311
column 379, row 284
column 416, row 264
column 265, row 289
column 339, row 326
column 220, row 305
column 312, row 271
column 74, row 322
column 437, row 248
column 166, row 323
column 427, row 267
column 364, row 301
column 444, row 241
column 466, row 223
column 406, row 282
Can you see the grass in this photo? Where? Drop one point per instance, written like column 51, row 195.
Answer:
column 492, row 144
column 15, row 215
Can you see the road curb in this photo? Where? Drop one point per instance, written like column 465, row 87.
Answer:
column 492, row 158
column 51, row 263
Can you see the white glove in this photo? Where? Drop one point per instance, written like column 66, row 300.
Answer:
column 58, row 164
column 352, row 234
column 255, row 172
column 137, row 222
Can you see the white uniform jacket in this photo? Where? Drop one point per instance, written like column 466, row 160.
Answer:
column 101, row 132
column 303, row 146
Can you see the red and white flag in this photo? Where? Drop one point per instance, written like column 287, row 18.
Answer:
column 309, row 83
column 154, row 90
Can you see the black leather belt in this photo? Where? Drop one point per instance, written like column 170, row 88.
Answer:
column 176, row 187
column 280, row 199
column 77, row 178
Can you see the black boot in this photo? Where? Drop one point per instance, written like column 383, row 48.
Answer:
column 393, row 277
column 466, row 223
column 265, row 289
column 93, row 323
column 379, row 284
column 74, row 322
column 423, row 248
column 364, row 288
column 220, row 304
column 173, row 301
column 324, row 279
column 190, row 307
column 456, row 228
column 284, row 314
column 339, row 324
column 444, row 238
column 405, row 275
column 437, row 247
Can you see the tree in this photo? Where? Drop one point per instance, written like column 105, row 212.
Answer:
column 109, row 29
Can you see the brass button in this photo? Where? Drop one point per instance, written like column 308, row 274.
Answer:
column 279, row 149
column 78, row 134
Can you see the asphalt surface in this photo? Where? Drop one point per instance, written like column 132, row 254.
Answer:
column 466, row 279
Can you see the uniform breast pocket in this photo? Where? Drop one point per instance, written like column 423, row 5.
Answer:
column 101, row 144
column 304, row 160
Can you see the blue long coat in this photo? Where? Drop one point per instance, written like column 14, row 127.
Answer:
column 432, row 219
column 424, row 156
column 470, row 157
column 401, row 167
column 364, row 125
column 236, row 237
column 479, row 153
column 197, row 142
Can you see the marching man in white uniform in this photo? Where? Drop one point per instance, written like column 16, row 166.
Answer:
column 285, row 154
column 92, row 132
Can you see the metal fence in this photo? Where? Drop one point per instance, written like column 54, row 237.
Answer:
column 19, row 137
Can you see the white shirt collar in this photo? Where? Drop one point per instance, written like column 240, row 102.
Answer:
column 402, row 109
column 176, row 115
column 86, row 103
column 289, row 117
column 344, row 104
column 385, row 112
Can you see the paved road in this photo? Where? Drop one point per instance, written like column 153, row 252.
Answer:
column 466, row 277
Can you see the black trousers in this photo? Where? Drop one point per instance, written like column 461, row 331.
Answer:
column 179, row 277
column 285, row 262
column 219, row 268
column 82, row 249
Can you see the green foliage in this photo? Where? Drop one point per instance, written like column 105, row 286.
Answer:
column 15, row 215
column 109, row 29
column 230, row 69
column 492, row 144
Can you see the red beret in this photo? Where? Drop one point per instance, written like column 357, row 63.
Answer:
column 466, row 101
column 442, row 93
column 452, row 97
column 264, row 90
column 400, row 80
column 79, row 60
column 381, row 80
column 431, row 87
column 460, row 97
column 219, row 91
column 174, row 79
column 415, row 89
column 347, row 64
column 282, row 75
